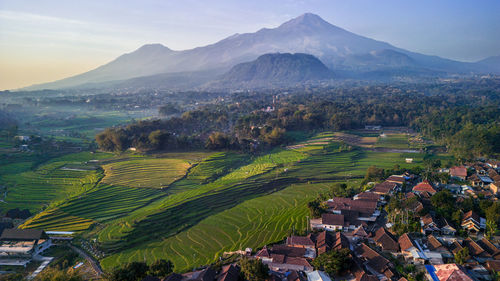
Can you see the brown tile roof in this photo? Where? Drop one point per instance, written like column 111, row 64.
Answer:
column 455, row 247
column 471, row 215
column 383, row 188
column 460, row 171
column 424, row 186
column 16, row 234
column 229, row 273
column 433, row 244
column 368, row 196
column 278, row 258
column 474, row 249
column 362, row 206
column 360, row 232
column 288, row 251
column 263, row 253
column 451, row 272
column 300, row 241
column 405, row 242
column 396, row 178
column 297, row 261
column 489, row 247
column 386, row 240
column 374, row 260
column 332, row 219
column 326, row 241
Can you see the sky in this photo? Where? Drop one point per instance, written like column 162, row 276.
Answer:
column 47, row 40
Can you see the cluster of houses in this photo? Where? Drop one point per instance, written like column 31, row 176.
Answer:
column 484, row 179
column 19, row 247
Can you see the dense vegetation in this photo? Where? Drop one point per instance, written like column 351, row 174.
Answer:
column 463, row 119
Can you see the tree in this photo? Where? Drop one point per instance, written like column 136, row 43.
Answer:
column 333, row 262
column 254, row 269
column 462, row 256
column 275, row 137
column 133, row 271
column 218, row 140
column 315, row 208
column 339, row 190
column 52, row 274
column 161, row 268
column 374, row 174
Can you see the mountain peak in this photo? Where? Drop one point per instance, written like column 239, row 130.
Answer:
column 155, row 47
column 307, row 19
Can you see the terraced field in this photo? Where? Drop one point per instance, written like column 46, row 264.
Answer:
column 210, row 202
column 146, row 172
column 48, row 183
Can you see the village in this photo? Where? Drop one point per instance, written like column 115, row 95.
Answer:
column 402, row 228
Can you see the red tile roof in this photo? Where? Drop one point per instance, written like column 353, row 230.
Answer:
column 460, row 171
column 451, row 272
column 405, row 242
column 424, row 186
column 304, row 241
column 332, row 219
column 386, row 240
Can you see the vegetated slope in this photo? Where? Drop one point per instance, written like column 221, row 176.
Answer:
column 259, row 220
column 277, row 68
column 337, row 48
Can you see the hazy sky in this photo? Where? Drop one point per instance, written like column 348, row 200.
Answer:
column 45, row 40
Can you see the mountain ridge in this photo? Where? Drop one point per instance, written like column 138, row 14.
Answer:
column 338, row 48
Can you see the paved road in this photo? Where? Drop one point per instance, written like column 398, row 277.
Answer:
column 46, row 261
column 95, row 265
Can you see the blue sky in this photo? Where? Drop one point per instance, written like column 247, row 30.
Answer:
column 44, row 40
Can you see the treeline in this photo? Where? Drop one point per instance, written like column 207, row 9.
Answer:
column 261, row 120
column 466, row 131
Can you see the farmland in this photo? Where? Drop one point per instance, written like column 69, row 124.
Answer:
column 189, row 207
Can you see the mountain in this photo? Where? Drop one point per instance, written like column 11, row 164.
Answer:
column 337, row 48
column 492, row 64
column 276, row 69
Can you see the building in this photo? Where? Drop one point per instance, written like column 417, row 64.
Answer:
column 385, row 188
column 431, row 224
column 283, row 258
column 459, row 172
column 318, row 276
column 409, row 249
column 327, row 241
column 472, row 222
column 23, row 243
column 375, row 263
column 398, row 179
column 424, row 186
column 229, row 273
column 385, row 240
column 448, row 272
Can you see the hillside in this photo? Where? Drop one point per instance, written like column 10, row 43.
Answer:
column 337, row 48
column 275, row 69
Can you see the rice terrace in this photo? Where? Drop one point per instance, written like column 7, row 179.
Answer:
column 161, row 205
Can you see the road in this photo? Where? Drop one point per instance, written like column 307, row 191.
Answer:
column 95, row 265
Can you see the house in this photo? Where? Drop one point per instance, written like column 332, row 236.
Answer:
column 366, row 209
column 424, row 186
column 375, row 263
column 359, row 233
column 398, row 179
column 434, row 245
column 459, row 172
column 409, row 249
column 207, row 274
column 330, row 222
column 360, row 274
column 472, row 222
column 282, row 257
column 318, row 276
column 489, row 247
column 300, row 242
column 495, row 187
column 476, row 251
column 369, row 196
column 327, row 241
column 431, row 224
column 23, row 243
column 385, row 240
column 229, row 273
column 384, row 188
column 448, row 272
column 480, row 180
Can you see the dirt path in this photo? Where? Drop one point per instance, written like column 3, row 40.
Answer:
column 95, row 264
